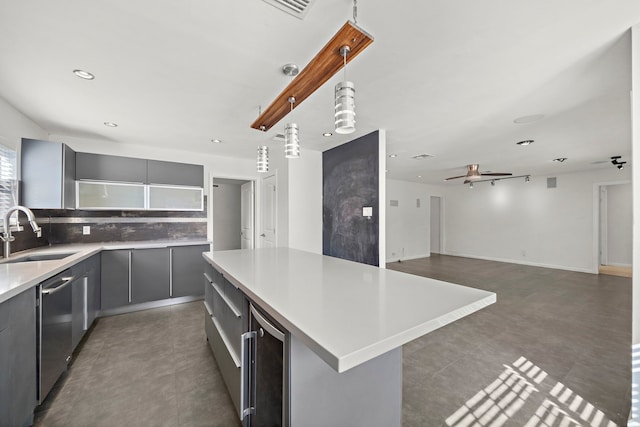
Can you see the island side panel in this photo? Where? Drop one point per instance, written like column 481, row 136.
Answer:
column 368, row 395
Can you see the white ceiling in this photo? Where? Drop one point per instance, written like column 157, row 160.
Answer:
column 443, row 77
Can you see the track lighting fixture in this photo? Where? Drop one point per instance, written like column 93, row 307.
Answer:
column 471, row 185
column 493, row 182
column 527, row 178
column 615, row 161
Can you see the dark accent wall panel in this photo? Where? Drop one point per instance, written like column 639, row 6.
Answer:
column 349, row 183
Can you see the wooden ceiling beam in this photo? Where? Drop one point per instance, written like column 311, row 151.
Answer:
column 321, row 68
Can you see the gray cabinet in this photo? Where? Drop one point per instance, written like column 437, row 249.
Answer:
column 48, row 173
column 18, row 360
column 78, row 307
column 93, row 289
column 171, row 173
column 115, row 279
column 150, row 275
column 226, row 319
column 187, row 267
column 100, row 167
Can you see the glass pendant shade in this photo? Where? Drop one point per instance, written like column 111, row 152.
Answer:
column 345, row 107
column 291, row 141
column 263, row 159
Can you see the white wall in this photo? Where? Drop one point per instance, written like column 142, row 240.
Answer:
column 226, row 210
column 407, row 226
column 635, row 150
column 528, row 223
column 305, row 202
column 619, row 225
column 14, row 125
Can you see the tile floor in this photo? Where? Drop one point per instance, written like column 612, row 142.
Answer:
column 553, row 351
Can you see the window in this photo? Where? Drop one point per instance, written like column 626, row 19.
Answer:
column 8, row 181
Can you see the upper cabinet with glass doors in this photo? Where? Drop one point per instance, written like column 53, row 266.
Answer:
column 114, row 182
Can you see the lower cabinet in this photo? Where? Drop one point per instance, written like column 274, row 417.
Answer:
column 187, row 267
column 150, row 275
column 226, row 319
column 18, row 359
column 115, row 279
column 85, row 291
column 134, row 276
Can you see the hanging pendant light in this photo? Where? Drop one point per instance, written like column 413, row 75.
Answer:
column 263, row 159
column 345, row 100
column 291, row 138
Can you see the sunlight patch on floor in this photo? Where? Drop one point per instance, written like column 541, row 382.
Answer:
column 506, row 395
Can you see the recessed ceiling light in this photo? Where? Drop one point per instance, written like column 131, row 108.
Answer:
column 422, row 156
column 525, row 142
column 393, row 156
column 529, row 119
column 216, row 141
column 84, row 74
column 327, row 134
column 386, row 170
column 560, row 159
column 111, row 124
column 419, row 176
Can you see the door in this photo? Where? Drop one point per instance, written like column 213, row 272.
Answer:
column 150, row 275
column 435, row 225
column 246, row 214
column 269, row 212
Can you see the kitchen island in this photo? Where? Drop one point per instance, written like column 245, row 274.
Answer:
column 344, row 326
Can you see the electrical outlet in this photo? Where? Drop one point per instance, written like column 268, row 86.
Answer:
column 86, row 230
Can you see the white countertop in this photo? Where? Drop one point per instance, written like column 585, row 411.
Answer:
column 346, row 312
column 18, row 277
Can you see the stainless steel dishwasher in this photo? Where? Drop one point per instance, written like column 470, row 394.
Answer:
column 54, row 330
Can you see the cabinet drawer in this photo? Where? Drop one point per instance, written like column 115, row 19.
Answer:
column 4, row 315
column 232, row 327
column 228, row 367
column 209, row 294
column 233, row 294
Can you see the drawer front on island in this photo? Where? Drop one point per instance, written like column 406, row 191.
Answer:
column 225, row 322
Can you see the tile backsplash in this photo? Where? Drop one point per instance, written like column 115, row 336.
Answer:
column 66, row 226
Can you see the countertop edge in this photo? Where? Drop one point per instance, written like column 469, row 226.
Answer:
column 343, row 363
column 84, row 250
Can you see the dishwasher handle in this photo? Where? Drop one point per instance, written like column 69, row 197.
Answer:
column 64, row 281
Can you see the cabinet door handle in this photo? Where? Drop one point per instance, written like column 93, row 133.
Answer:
column 130, row 255
column 63, row 283
column 171, row 272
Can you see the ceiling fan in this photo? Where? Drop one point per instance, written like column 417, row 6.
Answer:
column 474, row 174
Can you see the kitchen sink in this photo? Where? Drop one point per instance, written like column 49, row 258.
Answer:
column 37, row 257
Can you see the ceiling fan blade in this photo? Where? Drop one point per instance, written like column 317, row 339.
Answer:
column 496, row 174
column 456, row 177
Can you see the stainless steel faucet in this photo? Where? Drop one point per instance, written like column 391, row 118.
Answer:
column 6, row 236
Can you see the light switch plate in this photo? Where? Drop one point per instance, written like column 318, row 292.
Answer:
column 86, row 230
column 367, row 211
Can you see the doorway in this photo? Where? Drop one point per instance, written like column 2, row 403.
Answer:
column 269, row 212
column 436, row 225
column 615, row 221
column 233, row 214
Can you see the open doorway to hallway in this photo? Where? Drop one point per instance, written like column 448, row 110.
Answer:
column 615, row 229
column 233, row 213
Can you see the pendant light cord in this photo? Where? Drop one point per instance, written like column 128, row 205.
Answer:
column 355, row 11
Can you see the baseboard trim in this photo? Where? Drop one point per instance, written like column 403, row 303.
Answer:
column 149, row 305
column 408, row 258
column 529, row 263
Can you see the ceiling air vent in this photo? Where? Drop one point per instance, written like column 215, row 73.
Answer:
column 422, row 156
column 278, row 137
column 297, row 8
